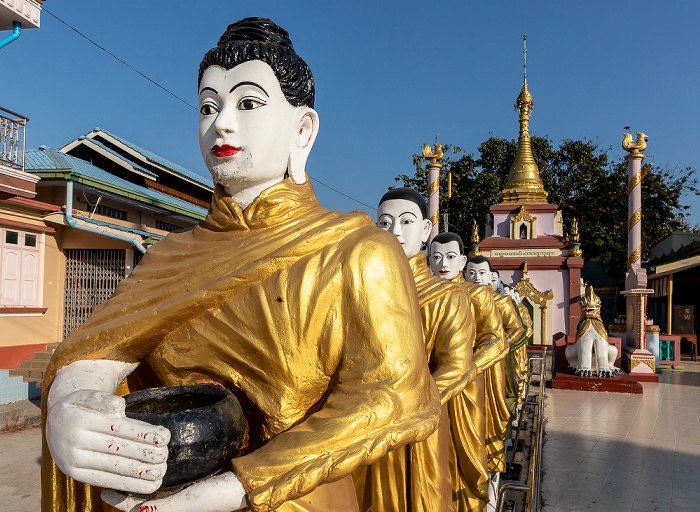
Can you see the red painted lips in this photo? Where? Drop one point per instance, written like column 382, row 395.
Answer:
column 224, row 150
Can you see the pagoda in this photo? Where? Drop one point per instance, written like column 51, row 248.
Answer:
column 525, row 242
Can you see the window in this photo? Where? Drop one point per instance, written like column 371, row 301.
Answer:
column 19, row 268
column 109, row 212
column 165, row 226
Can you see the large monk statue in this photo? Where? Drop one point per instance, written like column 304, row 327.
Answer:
column 310, row 317
column 467, row 410
column 417, row 479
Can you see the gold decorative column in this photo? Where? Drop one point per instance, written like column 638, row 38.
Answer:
column 524, row 185
column 433, row 167
column 636, row 358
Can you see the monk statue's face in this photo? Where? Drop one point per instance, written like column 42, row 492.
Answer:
column 479, row 273
column 445, row 259
column 495, row 281
column 404, row 219
column 250, row 136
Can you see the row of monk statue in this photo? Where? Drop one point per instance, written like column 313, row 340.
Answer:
column 367, row 382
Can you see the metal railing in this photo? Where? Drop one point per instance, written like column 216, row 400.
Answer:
column 12, row 138
column 533, row 487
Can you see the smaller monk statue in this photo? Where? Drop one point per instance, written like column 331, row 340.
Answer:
column 498, row 416
column 418, row 478
column 467, row 410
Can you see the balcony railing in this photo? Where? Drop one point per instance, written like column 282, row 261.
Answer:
column 12, row 137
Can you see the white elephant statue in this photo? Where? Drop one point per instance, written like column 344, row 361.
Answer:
column 591, row 336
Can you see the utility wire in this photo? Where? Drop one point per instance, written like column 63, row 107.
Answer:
column 173, row 94
column 339, row 192
column 120, row 60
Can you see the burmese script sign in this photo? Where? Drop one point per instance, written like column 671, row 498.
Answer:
column 524, row 253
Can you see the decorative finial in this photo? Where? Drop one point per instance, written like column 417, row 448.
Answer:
column 575, row 239
column 433, row 156
column 474, row 248
column 475, row 233
column 635, row 148
column 524, row 57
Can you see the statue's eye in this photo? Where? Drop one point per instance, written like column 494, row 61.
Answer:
column 249, row 104
column 207, row 109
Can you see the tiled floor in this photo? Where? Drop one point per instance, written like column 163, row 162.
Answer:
column 620, row 452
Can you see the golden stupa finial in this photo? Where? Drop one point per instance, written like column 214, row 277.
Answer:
column 524, row 185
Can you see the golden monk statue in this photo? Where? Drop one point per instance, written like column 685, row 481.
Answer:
column 469, row 464
column 310, row 317
column 498, row 415
column 520, row 348
column 417, row 478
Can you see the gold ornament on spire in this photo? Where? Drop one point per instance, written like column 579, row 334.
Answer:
column 524, row 185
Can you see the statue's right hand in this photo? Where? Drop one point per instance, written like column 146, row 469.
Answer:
column 92, row 441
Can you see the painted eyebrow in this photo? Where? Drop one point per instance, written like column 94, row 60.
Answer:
column 249, row 83
column 208, row 89
column 411, row 213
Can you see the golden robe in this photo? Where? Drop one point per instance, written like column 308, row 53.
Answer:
column 468, row 456
column 521, row 354
column 499, row 414
column 309, row 317
column 392, row 482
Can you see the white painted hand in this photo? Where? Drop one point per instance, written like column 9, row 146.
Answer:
column 220, row 493
column 91, row 439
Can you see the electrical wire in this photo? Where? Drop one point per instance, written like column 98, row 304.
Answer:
column 173, row 94
column 120, row 60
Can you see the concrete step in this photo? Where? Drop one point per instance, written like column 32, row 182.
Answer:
column 44, row 355
column 34, row 363
column 28, row 373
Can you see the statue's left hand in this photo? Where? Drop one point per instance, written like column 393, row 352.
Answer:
column 220, row 493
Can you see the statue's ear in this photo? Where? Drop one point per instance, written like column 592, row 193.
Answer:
column 462, row 262
column 427, row 228
column 305, row 132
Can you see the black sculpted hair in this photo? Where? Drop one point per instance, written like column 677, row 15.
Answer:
column 262, row 39
column 409, row 195
column 446, row 238
column 476, row 260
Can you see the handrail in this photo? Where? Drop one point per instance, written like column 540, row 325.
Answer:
column 533, row 487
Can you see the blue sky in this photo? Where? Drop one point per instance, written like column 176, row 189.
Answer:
column 389, row 76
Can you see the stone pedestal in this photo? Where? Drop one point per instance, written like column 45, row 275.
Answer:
column 636, row 359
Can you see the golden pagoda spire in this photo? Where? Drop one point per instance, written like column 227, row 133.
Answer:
column 524, row 185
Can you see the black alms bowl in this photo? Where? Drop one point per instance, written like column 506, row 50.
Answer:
column 206, row 427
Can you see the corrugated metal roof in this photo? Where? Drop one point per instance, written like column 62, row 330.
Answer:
column 49, row 158
column 120, row 156
column 152, row 157
column 144, row 234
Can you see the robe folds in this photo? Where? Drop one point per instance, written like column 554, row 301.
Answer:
column 467, row 410
column 521, row 354
column 309, row 317
column 420, row 473
column 499, row 415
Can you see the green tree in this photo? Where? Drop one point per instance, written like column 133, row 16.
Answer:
column 579, row 177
